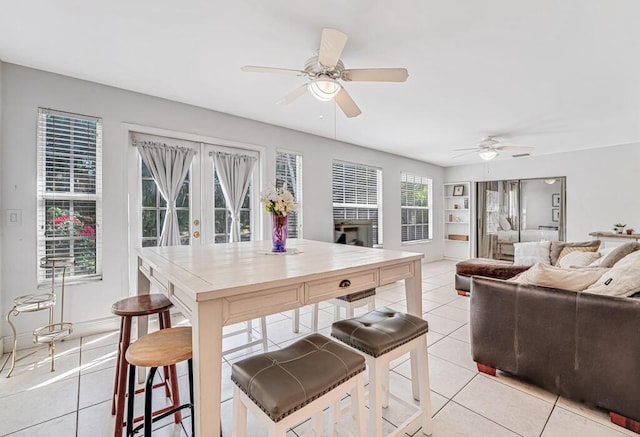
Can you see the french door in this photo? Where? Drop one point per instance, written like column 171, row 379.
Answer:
column 203, row 217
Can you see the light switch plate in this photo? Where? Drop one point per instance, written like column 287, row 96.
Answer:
column 14, row 217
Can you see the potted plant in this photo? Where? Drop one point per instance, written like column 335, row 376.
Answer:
column 619, row 227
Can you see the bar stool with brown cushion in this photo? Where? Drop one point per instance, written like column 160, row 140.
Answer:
column 284, row 387
column 162, row 348
column 136, row 306
column 384, row 335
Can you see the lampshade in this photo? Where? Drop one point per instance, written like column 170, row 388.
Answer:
column 324, row 89
column 488, row 154
column 550, row 181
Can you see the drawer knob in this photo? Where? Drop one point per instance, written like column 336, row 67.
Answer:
column 345, row 283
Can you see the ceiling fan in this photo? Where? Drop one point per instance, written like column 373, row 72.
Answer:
column 327, row 69
column 489, row 147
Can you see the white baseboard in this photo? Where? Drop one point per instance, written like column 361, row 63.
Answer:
column 80, row 329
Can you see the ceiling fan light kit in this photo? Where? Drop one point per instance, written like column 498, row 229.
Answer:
column 326, row 69
column 488, row 154
column 324, row 89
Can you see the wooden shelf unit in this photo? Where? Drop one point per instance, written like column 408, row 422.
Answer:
column 457, row 217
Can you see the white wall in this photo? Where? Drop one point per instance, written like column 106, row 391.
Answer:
column 26, row 89
column 602, row 184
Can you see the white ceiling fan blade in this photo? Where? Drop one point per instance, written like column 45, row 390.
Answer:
column 331, row 46
column 517, row 148
column 376, row 74
column 346, row 103
column 293, row 95
column 468, row 148
column 256, row 69
column 465, row 153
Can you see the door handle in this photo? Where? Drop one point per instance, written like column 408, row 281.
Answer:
column 196, row 234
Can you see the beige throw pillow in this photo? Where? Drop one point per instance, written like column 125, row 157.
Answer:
column 619, row 252
column 623, row 279
column 545, row 275
column 558, row 246
column 527, row 254
column 578, row 259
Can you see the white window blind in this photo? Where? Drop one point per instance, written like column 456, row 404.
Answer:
column 289, row 170
column 357, row 195
column 70, row 191
column 416, row 195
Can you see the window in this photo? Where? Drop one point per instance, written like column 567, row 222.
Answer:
column 154, row 209
column 357, row 195
column 289, row 170
column 415, row 194
column 70, row 191
column 222, row 215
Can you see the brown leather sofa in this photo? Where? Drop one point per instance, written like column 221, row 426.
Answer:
column 581, row 346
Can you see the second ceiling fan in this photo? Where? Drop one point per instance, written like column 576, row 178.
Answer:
column 327, row 70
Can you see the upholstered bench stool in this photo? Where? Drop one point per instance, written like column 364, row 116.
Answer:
column 287, row 386
column 159, row 349
column 127, row 309
column 384, row 335
column 491, row 268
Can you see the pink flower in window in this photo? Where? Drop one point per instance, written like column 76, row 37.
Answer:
column 87, row 231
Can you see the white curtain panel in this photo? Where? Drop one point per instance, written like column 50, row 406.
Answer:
column 234, row 173
column 169, row 166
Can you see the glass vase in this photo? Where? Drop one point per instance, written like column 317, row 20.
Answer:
column 279, row 236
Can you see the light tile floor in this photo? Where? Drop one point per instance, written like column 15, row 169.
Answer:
column 75, row 400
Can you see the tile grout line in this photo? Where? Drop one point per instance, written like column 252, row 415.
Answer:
column 553, row 408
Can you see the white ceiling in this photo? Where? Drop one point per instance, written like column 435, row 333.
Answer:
column 557, row 75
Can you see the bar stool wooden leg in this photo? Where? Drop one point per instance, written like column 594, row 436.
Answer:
column 425, row 395
column 118, row 357
column 173, row 376
column 122, row 376
column 375, row 397
column 239, row 414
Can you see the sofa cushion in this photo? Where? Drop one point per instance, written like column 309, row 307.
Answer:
column 558, row 246
column 623, row 279
column 491, row 268
column 527, row 254
column 619, row 252
column 578, row 259
column 545, row 275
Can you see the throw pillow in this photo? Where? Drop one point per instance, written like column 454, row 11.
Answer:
column 618, row 253
column 527, row 254
column 558, row 246
column 578, row 259
column 545, row 275
column 623, row 279
column 504, row 223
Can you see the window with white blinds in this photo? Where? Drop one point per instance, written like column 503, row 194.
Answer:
column 70, row 191
column 357, row 195
column 415, row 195
column 289, row 170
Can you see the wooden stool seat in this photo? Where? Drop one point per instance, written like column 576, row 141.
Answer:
column 156, row 350
column 143, row 305
column 161, row 348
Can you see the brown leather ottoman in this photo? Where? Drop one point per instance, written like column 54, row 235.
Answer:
column 491, row 268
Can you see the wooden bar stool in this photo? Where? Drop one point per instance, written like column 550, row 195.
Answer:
column 287, row 386
column 384, row 335
column 127, row 309
column 162, row 348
